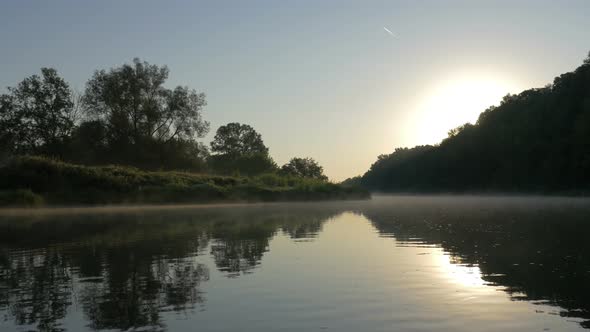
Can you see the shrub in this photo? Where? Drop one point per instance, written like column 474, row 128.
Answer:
column 63, row 183
column 20, row 197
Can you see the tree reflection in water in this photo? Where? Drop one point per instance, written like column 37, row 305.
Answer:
column 125, row 270
column 535, row 248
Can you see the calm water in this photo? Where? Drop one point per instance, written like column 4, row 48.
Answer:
column 390, row 264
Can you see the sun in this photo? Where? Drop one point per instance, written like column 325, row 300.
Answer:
column 455, row 101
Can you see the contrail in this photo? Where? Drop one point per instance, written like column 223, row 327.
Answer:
column 389, row 32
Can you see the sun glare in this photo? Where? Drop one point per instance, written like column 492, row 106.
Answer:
column 459, row 273
column 457, row 101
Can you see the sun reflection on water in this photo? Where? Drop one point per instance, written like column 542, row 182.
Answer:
column 465, row 275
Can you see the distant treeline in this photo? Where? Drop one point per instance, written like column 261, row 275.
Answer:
column 126, row 116
column 535, row 141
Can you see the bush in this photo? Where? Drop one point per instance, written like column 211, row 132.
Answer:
column 20, row 197
column 63, row 183
column 248, row 164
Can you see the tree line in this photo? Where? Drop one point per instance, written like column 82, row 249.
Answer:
column 534, row 141
column 126, row 115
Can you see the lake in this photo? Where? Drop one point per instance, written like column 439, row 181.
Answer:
column 394, row 263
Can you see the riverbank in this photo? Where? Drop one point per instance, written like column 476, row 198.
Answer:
column 37, row 181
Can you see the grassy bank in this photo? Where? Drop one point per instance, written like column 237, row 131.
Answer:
column 34, row 181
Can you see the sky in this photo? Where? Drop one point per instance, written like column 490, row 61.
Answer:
column 339, row 81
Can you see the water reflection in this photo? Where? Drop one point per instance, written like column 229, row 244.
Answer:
column 127, row 270
column 535, row 248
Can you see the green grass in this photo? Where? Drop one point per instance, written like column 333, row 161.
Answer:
column 58, row 183
column 20, row 197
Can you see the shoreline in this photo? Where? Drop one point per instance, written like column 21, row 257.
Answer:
column 41, row 182
column 135, row 208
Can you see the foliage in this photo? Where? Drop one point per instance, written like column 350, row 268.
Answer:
column 63, row 183
column 20, row 197
column 239, row 149
column 36, row 115
column 304, row 167
column 136, row 106
column 355, row 181
column 127, row 116
column 536, row 141
column 245, row 165
column 235, row 139
column 135, row 116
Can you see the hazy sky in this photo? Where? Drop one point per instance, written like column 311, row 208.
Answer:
column 316, row 78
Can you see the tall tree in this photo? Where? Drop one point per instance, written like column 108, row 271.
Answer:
column 134, row 103
column 144, row 120
column 36, row 115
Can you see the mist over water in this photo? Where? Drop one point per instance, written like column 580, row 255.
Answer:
column 421, row 263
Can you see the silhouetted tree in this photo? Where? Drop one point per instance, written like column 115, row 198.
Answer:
column 237, row 139
column 247, row 164
column 354, row 181
column 538, row 140
column 89, row 142
column 35, row 116
column 139, row 112
column 238, row 148
column 304, row 167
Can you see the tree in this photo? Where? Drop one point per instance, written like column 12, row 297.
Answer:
column 458, row 130
column 534, row 141
column 140, row 112
column 36, row 115
column 88, row 144
column 304, row 167
column 355, row 181
column 248, row 164
column 235, row 139
column 239, row 149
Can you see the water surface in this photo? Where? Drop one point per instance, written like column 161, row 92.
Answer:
column 391, row 264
